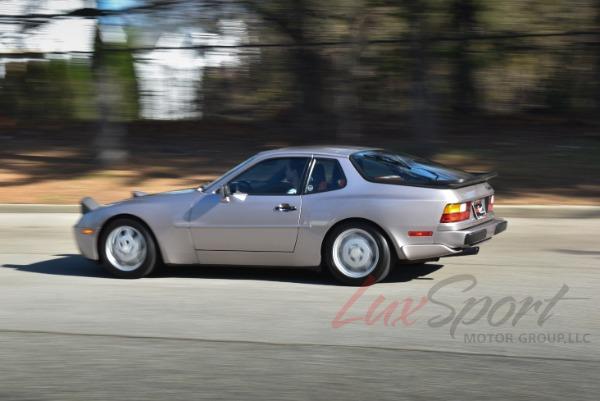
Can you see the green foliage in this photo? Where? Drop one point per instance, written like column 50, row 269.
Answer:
column 54, row 90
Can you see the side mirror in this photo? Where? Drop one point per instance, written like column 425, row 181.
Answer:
column 225, row 193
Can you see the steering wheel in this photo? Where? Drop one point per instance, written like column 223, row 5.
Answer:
column 242, row 186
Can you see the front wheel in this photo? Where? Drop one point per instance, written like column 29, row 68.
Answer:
column 127, row 249
column 357, row 253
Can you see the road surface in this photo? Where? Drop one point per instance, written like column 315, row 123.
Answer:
column 457, row 329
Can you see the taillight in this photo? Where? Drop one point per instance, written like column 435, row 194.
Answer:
column 454, row 212
column 490, row 207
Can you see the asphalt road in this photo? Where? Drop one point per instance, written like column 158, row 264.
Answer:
column 70, row 332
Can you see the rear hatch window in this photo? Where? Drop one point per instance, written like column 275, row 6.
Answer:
column 402, row 169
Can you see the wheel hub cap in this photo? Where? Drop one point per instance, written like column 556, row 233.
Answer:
column 126, row 248
column 355, row 253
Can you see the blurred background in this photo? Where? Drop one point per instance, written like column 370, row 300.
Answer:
column 102, row 97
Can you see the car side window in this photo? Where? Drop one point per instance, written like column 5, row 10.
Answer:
column 278, row 176
column 326, row 175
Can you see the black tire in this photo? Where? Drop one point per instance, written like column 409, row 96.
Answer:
column 382, row 267
column 151, row 259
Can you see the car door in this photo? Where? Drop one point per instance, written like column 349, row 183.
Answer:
column 261, row 213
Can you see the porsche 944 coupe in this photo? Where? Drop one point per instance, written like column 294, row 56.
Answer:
column 357, row 212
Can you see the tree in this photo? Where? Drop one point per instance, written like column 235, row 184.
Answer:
column 292, row 19
column 463, row 23
column 423, row 114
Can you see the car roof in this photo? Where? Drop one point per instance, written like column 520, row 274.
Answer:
column 324, row 150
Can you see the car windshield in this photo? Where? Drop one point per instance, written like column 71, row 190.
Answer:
column 402, row 169
column 209, row 186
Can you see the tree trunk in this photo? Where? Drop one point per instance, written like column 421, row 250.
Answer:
column 463, row 82
column 423, row 117
column 597, row 57
column 346, row 87
column 111, row 133
column 307, row 66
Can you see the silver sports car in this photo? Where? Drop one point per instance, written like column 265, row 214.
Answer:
column 355, row 211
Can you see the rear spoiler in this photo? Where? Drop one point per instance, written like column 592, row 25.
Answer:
column 88, row 204
column 476, row 178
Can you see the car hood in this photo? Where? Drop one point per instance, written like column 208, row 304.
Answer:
column 169, row 196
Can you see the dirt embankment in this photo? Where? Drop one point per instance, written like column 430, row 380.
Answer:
column 539, row 162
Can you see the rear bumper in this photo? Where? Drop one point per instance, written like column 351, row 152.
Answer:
column 447, row 243
column 472, row 235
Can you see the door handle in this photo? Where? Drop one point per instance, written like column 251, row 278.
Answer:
column 284, row 207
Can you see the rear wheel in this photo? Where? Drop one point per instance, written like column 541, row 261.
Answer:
column 356, row 252
column 127, row 249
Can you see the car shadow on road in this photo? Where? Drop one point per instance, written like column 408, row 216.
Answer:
column 76, row 265
column 63, row 265
column 402, row 273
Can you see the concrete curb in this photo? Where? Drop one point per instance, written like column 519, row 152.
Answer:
column 549, row 211
column 532, row 211
column 37, row 208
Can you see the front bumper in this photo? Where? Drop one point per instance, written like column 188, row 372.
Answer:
column 451, row 242
column 86, row 243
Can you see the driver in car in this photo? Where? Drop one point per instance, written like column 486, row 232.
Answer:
column 292, row 177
